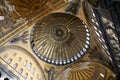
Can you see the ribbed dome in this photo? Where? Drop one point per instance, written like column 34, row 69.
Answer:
column 60, row 38
column 86, row 71
column 24, row 8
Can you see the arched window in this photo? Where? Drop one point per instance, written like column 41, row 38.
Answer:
column 25, row 62
column 29, row 66
column 31, row 78
column 21, row 70
column 14, row 54
column 33, row 71
column 9, row 61
column 6, row 79
column 26, row 75
column 15, row 66
column 19, row 59
column 5, row 56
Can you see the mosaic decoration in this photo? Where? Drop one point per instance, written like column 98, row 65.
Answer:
column 23, row 38
column 73, row 7
column 50, row 73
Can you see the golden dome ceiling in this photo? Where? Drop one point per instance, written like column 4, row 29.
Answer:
column 24, row 8
column 86, row 71
column 60, row 38
column 54, row 36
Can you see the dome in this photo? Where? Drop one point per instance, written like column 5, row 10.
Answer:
column 60, row 38
column 24, row 8
column 86, row 71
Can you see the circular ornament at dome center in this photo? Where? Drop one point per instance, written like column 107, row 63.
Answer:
column 60, row 33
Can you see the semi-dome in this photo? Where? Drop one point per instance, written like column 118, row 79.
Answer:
column 86, row 71
column 23, row 65
column 24, row 8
